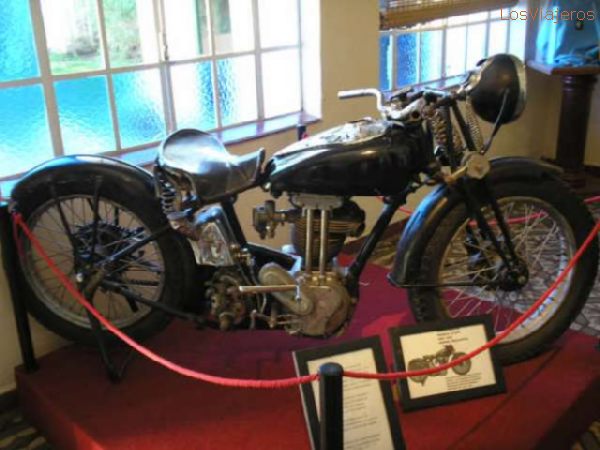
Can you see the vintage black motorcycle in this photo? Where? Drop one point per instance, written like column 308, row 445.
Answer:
column 488, row 239
column 443, row 356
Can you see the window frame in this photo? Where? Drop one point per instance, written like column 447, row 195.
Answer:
column 164, row 64
column 442, row 25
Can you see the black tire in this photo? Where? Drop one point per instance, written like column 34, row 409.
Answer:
column 418, row 364
column 462, row 368
column 427, row 303
column 133, row 195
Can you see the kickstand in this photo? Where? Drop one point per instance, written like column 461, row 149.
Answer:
column 113, row 372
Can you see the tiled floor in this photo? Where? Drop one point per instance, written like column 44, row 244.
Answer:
column 17, row 434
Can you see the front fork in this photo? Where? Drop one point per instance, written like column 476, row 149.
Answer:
column 507, row 253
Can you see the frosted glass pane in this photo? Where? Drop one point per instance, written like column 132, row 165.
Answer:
column 18, row 59
column 475, row 45
column 456, row 43
column 497, row 13
column 407, row 63
column 187, row 28
column 24, row 133
column 498, row 32
column 281, row 82
column 278, row 22
column 85, row 120
column 431, row 55
column 233, row 25
column 130, row 32
column 139, row 107
column 193, row 96
column 237, row 89
column 72, row 35
column 385, row 63
column 518, row 30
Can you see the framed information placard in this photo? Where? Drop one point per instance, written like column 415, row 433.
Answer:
column 432, row 344
column 370, row 419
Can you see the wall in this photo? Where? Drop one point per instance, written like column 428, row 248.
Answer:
column 349, row 59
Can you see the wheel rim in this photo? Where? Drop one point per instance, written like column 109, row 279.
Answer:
column 542, row 239
column 142, row 273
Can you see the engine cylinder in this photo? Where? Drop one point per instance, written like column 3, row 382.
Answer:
column 348, row 220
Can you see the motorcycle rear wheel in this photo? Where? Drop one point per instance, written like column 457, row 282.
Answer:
column 418, row 364
column 548, row 223
column 158, row 272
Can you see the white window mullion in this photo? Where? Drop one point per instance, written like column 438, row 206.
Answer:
column 109, row 80
column 300, row 48
column 20, row 83
column 39, row 32
column 444, row 35
column 165, row 71
column 394, row 61
column 507, row 43
column 488, row 31
column 213, row 63
column 260, row 100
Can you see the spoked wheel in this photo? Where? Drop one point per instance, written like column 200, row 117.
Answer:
column 79, row 229
column 547, row 224
column 462, row 368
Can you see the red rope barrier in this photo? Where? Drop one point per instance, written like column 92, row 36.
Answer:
column 589, row 200
column 287, row 382
column 229, row 382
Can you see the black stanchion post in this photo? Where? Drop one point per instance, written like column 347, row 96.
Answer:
column 301, row 131
column 10, row 261
column 331, row 406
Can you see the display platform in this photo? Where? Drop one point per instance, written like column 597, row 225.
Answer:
column 551, row 399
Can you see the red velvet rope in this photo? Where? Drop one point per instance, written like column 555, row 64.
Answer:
column 294, row 381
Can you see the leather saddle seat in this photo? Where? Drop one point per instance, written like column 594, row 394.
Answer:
column 204, row 160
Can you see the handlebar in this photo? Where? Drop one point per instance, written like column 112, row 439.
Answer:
column 372, row 92
column 407, row 110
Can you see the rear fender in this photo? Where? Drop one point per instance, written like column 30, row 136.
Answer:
column 75, row 167
column 425, row 219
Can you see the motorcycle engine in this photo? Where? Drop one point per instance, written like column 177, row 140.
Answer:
column 346, row 221
column 316, row 308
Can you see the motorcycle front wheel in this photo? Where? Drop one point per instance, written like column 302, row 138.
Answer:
column 462, row 368
column 547, row 224
column 62, row 219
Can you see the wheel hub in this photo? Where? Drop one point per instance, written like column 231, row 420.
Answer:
column 515, row 278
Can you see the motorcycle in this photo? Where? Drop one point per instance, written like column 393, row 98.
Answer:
column 441, row 357
column 145, row 247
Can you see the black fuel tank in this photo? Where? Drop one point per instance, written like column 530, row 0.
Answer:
column 365, row 158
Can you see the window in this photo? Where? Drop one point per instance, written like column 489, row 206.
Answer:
column 95, row 76
column 438, row 53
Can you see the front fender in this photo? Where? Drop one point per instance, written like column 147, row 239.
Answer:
column 430, row 212
column 67, row 168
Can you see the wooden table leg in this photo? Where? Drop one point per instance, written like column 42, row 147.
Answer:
column 574, row 116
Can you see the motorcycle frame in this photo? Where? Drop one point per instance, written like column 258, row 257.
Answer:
column 449, row 107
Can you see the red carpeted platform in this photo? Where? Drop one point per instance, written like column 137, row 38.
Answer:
column 551, row 400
